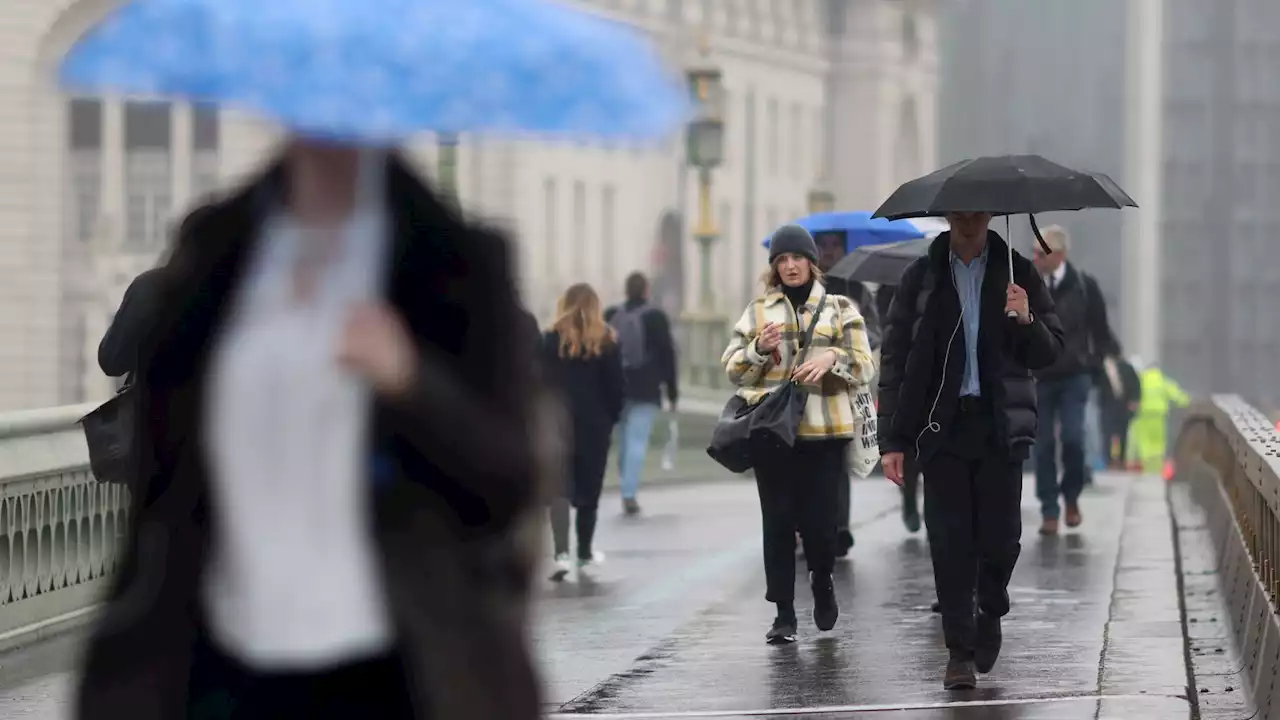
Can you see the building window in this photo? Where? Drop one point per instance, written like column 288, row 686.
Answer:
column 608, row 237
column 148, row 181
column 771, row 136
column 580, row 231
column 206, row 138
column 84, row 127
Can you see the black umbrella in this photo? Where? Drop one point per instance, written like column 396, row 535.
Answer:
column 1004, row 185
column 881, row 264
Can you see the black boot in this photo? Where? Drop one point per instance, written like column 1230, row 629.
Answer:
column 825, row 609
column 783, row 630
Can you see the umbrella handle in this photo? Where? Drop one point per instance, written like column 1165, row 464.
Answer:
column 1009, row 242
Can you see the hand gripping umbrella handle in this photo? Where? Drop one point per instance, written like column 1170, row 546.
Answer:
column 1009, row 241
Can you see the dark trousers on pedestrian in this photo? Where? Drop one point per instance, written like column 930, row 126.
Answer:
column 972, row 499
column 799, row 489
column 1061, row 403
column 586, row 482
column 844, row 500
column 1115, row 433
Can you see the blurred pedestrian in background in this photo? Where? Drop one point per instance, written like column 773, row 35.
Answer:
column 1149, row 434
column 799, row 486
column 1063, row 389
column 910, row 465
column 832, row 247
column 1119, row 393
column 581, row 359
column 648, row 352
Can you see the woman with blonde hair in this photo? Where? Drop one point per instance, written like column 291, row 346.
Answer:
column 580, row 358
column 799, row 486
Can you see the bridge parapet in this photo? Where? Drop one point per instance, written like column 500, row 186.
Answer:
column 59, row 527
column 1226, row 497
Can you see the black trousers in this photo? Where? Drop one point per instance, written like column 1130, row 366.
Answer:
column 844, row 500
column 221, row 688
column 972, row 507
column 1115, row 426
column 799, row 489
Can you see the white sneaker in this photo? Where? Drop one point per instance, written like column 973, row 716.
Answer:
column 596, row 559
column 563, row 566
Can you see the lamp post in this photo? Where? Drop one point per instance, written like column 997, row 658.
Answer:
column 821, row 200
column 704, row 149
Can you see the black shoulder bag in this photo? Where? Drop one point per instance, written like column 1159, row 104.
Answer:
column 767, row 426
column 110, row 431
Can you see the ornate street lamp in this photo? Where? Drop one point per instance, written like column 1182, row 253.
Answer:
column 704, row 148
column 821, row 200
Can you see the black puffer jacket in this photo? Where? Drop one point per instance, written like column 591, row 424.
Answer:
column 924, row 315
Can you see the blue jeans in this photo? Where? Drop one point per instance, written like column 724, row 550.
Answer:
column 1062, row 404
column 637, row 425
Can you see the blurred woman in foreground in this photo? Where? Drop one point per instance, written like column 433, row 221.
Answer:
column 580, row 357
column 339, row 461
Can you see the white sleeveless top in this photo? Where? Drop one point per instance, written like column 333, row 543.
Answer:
column 293, row 582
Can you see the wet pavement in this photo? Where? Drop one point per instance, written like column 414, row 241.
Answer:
column 672, row 625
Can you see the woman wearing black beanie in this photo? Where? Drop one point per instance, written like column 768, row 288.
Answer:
column 798, row 486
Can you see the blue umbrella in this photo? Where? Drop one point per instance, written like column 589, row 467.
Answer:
column 378, row 71
column 859, row 228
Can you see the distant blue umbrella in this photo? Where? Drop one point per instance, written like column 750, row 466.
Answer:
column 859, row 228
column 377, row 71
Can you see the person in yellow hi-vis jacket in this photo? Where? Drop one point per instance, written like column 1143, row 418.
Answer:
column 1148, row 434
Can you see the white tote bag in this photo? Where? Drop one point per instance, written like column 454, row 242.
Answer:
column 864, row 450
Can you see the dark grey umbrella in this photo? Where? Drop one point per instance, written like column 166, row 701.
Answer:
column 881, row 264
column 1003, row 185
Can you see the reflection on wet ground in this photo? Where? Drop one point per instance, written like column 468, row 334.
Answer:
column 672, row 625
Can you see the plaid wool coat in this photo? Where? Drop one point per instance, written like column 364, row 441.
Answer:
column 829, row 412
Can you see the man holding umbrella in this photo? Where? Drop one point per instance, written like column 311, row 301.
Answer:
column 969, row 324
column 956, row 391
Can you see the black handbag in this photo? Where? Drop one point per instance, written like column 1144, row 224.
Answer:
column 769, row 425
column 110, row 431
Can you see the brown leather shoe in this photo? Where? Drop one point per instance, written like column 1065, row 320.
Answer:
column 1049, row 526
column 1074, row 518
column 960, row 675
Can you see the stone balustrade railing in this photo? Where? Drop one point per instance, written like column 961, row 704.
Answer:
column 59, row 527
column 1226, row 498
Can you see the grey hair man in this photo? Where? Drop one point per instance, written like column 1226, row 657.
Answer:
column 1063, row 388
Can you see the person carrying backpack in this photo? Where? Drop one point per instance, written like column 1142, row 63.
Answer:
column 648, row 364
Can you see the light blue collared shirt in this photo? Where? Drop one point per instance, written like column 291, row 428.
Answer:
column 968, row 280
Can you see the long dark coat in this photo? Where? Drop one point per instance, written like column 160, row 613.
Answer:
column 593, row 390
column 452, row 470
